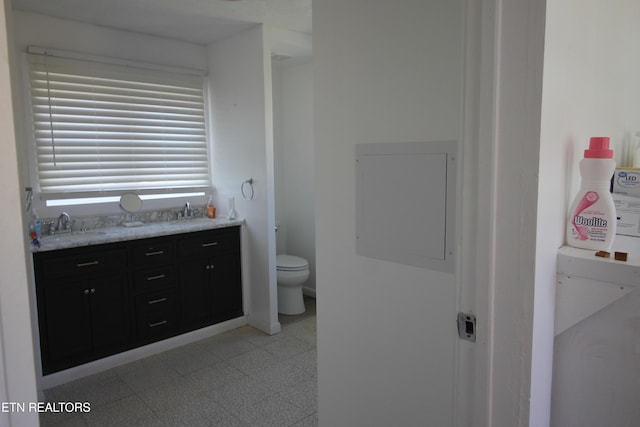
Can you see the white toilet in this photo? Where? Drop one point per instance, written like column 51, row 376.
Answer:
column 292, row 272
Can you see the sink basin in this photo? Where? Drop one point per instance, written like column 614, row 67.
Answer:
column 132, row 224
column 87, row 233
column 73, row 234
column 188, row 219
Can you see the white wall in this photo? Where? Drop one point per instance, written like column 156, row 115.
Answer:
column 40, row 30
column 597, row 369
column 295, row 199
column 383, row 72
column 242, row 128
column 591, row 87
column 278, row 157
column 17, row 373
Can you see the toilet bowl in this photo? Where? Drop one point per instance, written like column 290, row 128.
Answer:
column 292, row 272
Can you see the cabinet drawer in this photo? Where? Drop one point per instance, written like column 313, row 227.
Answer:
column 156, row 313
column 80, row 265
column 154, row 278
column 209, row 243
column 152, row 253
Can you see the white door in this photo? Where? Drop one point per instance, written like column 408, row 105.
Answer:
column 388, row 350
column 384, row 72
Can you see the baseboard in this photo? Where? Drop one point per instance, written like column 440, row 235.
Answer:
column 128, row 356
column 266, row 327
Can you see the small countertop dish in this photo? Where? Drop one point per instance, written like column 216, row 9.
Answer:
column 118, row 234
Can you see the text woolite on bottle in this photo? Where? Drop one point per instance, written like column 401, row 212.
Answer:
column 592, row 215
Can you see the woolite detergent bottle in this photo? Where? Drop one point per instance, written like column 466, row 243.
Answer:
column 592, row 216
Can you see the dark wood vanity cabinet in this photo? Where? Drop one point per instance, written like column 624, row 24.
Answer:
column 83, row 305
column 210, row 278
column 100, row 300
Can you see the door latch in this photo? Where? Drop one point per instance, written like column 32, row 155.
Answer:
column 467, row 326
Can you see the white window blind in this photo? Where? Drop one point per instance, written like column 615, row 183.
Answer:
column 104, row 128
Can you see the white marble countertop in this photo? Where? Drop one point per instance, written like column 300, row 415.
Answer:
column 120, row 233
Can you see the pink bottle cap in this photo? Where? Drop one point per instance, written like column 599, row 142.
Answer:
column 598, row 148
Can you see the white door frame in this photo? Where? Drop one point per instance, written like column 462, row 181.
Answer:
column 500, row 135
column 17, row 373
column 473, row 370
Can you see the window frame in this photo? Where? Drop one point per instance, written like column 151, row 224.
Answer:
column 157, row 193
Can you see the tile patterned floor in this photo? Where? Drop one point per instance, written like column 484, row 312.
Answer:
column 240, row 378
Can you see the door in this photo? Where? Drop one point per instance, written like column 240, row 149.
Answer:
column 68, row 320
column 226, row 290
column 85, row 316
column 388, row 348
column 193, row 282
column 110, row 310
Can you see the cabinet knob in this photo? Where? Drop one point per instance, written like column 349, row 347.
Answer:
column 93, row 290
column 86, row 291
column 208, row 267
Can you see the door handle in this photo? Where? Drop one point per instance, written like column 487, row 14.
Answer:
column 153, row 325
column 87, row 264
column 154, row 253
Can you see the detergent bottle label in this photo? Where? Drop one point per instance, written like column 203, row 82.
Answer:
column 589, row 220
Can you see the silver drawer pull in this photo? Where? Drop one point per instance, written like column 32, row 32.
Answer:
column 159, row 276
column 154, row 253
column 153, row 325
column 155, row 301
column 206, row 245
column 87, row 264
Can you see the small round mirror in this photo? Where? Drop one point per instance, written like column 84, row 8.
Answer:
column 130, row 202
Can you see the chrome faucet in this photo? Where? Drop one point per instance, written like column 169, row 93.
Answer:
column 187, row 211
column 64, row 222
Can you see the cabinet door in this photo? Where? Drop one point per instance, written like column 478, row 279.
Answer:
column 226, row 289
column 109, row 311
column 194, row 278
column 68, row 321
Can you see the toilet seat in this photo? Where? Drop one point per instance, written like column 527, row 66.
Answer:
column 291, row 263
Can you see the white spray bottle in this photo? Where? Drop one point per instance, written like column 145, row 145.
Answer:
column 592, row 215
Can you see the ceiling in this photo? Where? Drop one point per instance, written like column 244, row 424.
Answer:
column 195, row 21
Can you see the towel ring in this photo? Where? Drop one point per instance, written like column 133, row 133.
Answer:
column 250, row 182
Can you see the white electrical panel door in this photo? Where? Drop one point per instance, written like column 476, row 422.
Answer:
column 405, row 203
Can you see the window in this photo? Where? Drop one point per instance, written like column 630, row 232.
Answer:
column 102, row 128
